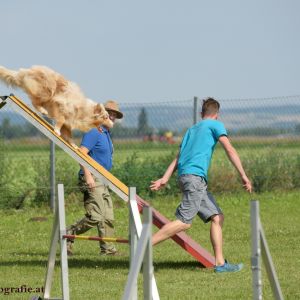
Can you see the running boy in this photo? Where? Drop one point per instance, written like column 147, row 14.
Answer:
column 192, row 162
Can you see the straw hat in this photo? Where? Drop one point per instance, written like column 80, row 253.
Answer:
column 111, row 105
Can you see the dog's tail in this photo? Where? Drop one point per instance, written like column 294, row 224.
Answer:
column 38, row 81
column 10, row 77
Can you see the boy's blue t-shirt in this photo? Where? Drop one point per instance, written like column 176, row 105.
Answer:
column 100, row 147
column 197, row 147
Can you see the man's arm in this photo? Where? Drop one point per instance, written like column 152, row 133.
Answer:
column 235, row 160
column 87, row 174
column 160, row 183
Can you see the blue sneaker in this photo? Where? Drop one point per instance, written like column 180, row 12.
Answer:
column 227, row 267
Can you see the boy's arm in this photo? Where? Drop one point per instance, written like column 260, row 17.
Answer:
column 235, row 160
column 160, row 183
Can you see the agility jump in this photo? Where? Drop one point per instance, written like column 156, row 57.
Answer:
column 95, row 238
column 140, row 236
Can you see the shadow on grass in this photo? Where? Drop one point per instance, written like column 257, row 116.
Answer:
column 26, row 259
column 121, row 263
column 101, row 262
column 177, row 265
column 30, row 254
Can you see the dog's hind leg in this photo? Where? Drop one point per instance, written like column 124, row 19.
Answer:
column 41, row 109
column 37, row 105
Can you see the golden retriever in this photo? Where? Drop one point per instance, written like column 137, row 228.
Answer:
column 56, row 97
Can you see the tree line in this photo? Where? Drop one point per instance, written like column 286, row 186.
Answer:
column 11, row 130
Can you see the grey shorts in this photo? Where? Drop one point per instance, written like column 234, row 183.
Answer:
column 196, row 200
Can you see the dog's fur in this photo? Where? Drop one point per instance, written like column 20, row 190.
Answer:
column 53, row 95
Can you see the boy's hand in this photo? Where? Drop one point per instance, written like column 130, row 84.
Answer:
column 247, row 184
column 158, row 184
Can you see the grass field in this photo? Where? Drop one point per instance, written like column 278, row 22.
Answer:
column 24, row 251
column 24, row 243
column 25, row 178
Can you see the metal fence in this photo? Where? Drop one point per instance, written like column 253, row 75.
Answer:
column 263, row 117
column 149, row 130
column 267, row 117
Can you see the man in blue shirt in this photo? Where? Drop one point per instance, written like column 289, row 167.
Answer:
column 98, row 204
column 192, row 162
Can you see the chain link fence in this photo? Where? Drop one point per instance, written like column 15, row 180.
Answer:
column 265, row 132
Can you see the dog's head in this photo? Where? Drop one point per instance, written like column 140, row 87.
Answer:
column 101, row 116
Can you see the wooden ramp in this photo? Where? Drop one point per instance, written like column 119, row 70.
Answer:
column 182, row 239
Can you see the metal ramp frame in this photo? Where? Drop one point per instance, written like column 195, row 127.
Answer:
column 187, row 243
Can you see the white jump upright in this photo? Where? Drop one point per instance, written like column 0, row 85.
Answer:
column 140, row 237
column 58, row 231
column 140, row 251
column 260, row 248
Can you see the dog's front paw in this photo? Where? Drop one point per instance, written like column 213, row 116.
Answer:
column 74, row 146
column 57, row 131
column 43, row 111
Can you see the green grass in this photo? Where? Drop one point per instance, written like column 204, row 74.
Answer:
column 25, row 180
column 24, row 248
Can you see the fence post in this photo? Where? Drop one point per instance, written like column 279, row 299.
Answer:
column 52, row 172
column 195, row 117
column 256, row 251
column 2, row 161
column 52, row 176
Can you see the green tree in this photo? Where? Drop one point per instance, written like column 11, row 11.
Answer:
column 297, row 129
column 120, row 131
column 143, row 127
column 10, row 130
column 7, row 129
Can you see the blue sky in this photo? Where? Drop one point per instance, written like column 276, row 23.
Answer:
column 159, row 50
